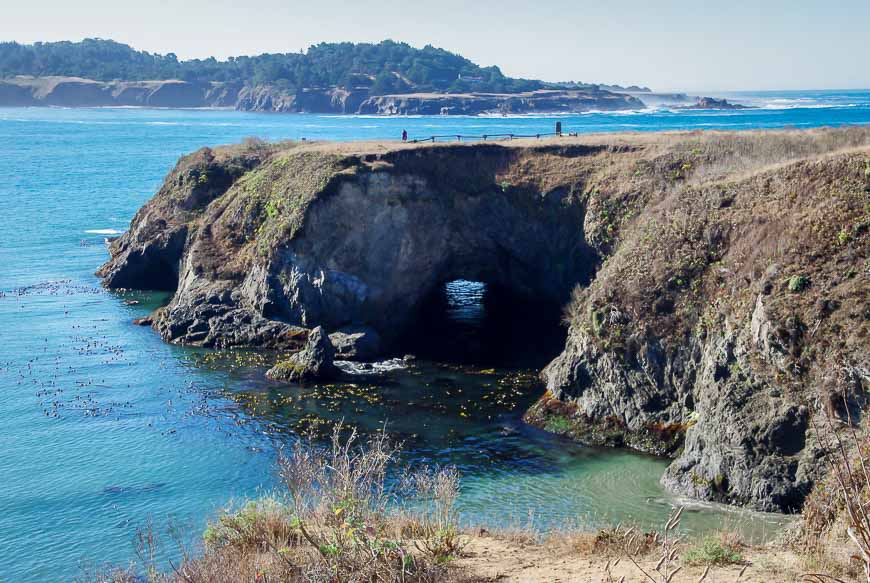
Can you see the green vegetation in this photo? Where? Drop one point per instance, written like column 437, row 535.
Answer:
column 798, row 283
column 714, row 550
column 382, row 68
column 558, row 424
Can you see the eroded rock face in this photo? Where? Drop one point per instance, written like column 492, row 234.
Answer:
column 736, row 437
column 721, row 322
column 75, row 92
column 303, row 237
column 313, row 363
column 711, row 317
column 477, row 103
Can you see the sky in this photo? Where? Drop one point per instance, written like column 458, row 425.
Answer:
column 720, row 45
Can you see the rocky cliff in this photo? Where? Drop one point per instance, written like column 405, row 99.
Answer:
column 283, row 236
column 720, row 280
column 75, row 92
column 545, row 101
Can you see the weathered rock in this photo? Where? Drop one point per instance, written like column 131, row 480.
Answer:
column 477, row 103
column 313, row 363
column 348, row 239
column 713, row 103
column 690, row 343
column 76, row 92
column 359, row 343
column 685, row 339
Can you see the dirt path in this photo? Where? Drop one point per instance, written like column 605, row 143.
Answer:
column 490, row 558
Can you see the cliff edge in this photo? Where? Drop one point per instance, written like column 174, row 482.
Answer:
column 266, row 97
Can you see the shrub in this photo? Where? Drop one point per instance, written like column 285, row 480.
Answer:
column 335, row 522
column 259, row 525
column 437, row 491
column 836, row 524
column 843, row 237
column 798, row 283
column 340, row 498
column 255, row 144
column 719, row 549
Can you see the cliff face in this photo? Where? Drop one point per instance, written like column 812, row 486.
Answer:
column 720, row 279
column 475, row 103
column 308, row 235
column 74, row 92
column 732, row 307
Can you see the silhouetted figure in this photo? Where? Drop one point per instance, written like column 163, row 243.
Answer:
column 404, row 135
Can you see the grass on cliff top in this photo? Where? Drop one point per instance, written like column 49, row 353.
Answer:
column 687, row 245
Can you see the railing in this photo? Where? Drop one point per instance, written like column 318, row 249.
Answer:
column 483, row 137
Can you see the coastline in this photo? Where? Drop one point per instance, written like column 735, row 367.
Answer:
column 89, row 174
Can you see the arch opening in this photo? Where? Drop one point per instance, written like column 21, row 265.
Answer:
column 485, row 324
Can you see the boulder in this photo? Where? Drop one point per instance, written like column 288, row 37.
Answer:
column 359, row 343
column 312, row 363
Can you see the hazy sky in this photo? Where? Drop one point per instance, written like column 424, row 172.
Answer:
column 690, row 45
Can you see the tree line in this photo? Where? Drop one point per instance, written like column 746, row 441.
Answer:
column 382, row 68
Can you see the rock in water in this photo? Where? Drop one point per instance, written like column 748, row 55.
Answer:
column 359, row 343
column 312, row 363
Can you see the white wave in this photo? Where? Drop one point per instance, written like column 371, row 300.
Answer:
column 784, row 106
column 103, row 232
column 365, row 368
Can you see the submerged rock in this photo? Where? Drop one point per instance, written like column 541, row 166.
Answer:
column 313, row 363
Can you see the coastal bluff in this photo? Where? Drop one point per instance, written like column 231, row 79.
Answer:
column 715, row 284
column 57, row 91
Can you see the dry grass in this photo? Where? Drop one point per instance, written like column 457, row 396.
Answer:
column 714, row 220
column 835, row 535
column 332, row 523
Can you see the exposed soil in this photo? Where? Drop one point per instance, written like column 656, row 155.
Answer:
column 492, row 558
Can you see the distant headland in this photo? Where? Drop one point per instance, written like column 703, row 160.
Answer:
column 387, row 78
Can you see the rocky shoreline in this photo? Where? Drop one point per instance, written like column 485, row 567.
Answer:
column 719, row 280
column 77, row 92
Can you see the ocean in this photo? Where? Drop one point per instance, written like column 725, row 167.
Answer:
column 105, row 428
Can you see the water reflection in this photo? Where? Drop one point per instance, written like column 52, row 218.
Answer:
column 476, row 323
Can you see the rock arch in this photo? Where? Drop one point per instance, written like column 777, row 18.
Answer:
column 261, row 242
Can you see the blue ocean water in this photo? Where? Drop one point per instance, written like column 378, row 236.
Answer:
column 103, row 426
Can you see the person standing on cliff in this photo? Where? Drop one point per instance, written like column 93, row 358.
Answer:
column 404, row 135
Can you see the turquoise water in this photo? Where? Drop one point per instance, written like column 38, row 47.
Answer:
column 102, row 425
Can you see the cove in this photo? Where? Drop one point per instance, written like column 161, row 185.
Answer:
column 102, row 424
